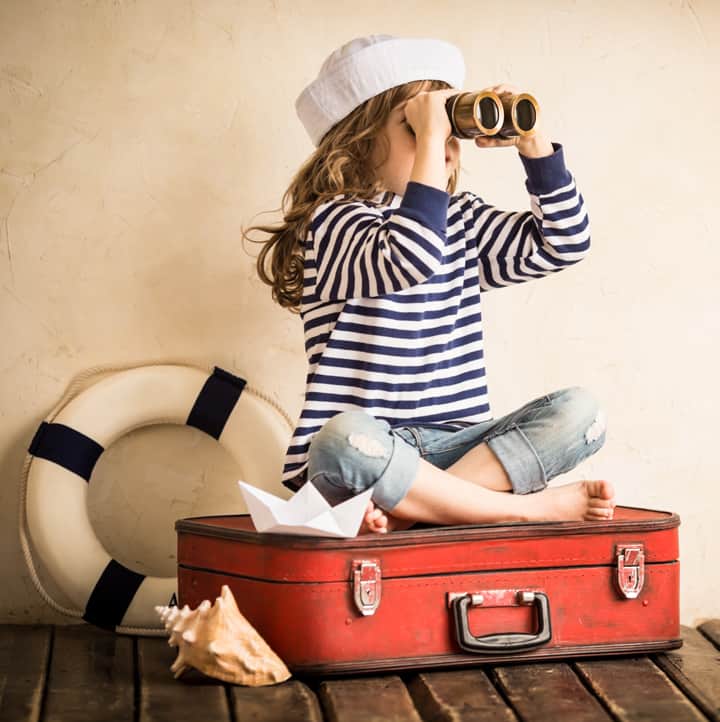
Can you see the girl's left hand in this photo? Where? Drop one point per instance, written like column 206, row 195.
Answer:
column 533, row 145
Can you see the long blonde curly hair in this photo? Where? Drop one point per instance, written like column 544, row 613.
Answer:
column 340, row 164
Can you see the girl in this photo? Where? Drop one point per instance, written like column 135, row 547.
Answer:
column 386, row 265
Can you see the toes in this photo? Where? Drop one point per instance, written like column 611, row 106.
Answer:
column 378, row 521
column 607, row 490
column 601, row 490
column 599, row 514
column 370, row 520
column 374, row 521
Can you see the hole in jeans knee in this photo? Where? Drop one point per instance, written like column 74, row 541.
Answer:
column 367, row 445
column 597, row 428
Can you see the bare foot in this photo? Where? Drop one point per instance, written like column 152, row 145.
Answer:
column 378, row 521
column 583, row 500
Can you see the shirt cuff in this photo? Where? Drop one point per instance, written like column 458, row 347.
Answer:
column 427, row 204
column 547, row 174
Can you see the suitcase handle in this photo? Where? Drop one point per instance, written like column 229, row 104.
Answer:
column 503, row 642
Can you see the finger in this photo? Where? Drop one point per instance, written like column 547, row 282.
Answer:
column 492, row 89
column 489, row 141
column 440, row 93
column 446, row 92
column 495, row 139
column 506, row 88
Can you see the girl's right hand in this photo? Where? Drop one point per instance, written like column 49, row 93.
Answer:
column 426, row 114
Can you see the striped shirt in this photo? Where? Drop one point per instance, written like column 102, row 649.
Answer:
column 391, row 301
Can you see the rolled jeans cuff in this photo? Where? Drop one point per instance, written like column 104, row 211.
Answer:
column 520, row 460
column 395, row 481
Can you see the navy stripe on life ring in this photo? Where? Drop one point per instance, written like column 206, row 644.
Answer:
column 112, row 595
column 66, row 447
column 216, row 402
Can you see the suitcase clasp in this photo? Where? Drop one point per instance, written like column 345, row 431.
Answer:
column 367, row 585
column 630, row 569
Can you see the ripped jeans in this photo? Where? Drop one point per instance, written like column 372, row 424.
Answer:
column 546, row 437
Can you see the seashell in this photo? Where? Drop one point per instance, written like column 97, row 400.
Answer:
column 218, row 641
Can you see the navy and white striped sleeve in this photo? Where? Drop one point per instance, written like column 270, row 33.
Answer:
column 517, row 247
column 359, row 253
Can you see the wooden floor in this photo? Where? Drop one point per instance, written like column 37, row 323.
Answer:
column 82, row 674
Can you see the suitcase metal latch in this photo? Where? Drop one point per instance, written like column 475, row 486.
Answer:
column 630, row 569
column 367, row 585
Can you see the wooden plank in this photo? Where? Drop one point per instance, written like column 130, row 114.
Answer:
column 695, row 668
column 465, row 695
column 291, row 701
column 162, row 697
column 367, row 699
column 548, row 691
column 90, row 677
column 24, row 656
column 711, row 630
column 635, row 690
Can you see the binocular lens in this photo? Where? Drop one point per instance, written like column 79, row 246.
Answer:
column 488, row 113
column 525, row 115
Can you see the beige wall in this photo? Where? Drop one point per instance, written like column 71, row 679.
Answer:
column 137, row 137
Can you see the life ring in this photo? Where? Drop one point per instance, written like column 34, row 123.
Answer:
column 65, row 451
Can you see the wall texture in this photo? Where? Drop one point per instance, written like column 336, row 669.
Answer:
column 137, row 137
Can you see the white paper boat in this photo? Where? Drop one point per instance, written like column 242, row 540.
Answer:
column 306, row 513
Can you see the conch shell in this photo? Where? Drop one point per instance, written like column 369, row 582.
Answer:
column 219, row 642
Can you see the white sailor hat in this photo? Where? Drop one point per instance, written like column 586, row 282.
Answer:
column 367, row 66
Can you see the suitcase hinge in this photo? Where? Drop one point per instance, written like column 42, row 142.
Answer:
column 630, row 569
column 367, row 585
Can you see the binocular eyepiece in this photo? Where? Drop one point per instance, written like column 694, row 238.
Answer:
column 487, row 113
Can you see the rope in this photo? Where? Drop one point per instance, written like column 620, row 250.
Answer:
column 74, row 388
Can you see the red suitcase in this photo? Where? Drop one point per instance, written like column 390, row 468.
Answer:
column 444, row 596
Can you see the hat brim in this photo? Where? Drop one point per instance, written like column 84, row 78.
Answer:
column 372, row 70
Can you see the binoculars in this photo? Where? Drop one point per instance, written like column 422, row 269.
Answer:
column 487, row 113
